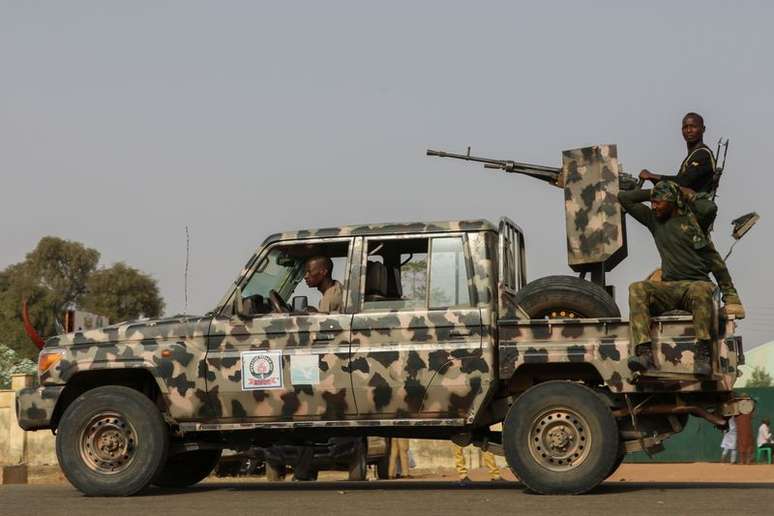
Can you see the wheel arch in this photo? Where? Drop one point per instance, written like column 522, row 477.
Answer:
column 139, row 379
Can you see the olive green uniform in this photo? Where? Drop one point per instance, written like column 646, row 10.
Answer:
column 685, row 285
column 697, row 172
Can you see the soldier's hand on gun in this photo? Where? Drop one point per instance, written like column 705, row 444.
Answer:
column 687, row 193
column 646, row 175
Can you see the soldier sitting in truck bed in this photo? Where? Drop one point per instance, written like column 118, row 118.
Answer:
column 318, row 272
column 696, row 178
column 683, row 248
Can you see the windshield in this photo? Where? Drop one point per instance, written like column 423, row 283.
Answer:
column 273, row 273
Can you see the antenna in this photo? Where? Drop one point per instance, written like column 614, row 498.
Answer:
column 187, row 254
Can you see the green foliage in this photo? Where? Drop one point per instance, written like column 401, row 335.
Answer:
column 58, row 274
column 12, row 363
column 759, row 378
column 122, row 293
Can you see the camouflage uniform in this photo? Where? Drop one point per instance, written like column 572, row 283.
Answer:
column 683, row 248
column 697, row 173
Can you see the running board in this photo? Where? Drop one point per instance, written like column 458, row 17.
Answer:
column 660, row 375
column 279, row 425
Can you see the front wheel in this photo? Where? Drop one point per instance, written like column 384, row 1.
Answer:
column 112, row 441
column 560, row 438
column 188, row 468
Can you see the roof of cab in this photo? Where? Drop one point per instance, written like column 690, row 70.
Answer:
column 389, row 228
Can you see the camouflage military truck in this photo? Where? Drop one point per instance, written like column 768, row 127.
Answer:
column 433, row 341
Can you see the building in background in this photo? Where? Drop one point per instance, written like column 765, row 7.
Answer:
column 760, row 356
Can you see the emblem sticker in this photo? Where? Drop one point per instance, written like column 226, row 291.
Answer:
column 261, row 370
column 304, row 370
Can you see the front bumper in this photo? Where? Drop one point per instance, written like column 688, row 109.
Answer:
column 35, row 406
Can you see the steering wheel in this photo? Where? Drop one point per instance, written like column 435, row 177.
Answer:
column 278, row 305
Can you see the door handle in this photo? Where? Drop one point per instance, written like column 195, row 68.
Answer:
column 459, row 333
column 323, row 337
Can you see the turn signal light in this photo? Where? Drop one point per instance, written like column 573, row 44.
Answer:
column 48, row 358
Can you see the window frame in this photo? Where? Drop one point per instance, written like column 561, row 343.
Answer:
column 361, row 308
column 263, row 253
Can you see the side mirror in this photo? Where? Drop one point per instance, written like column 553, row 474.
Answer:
column 300, row 304
column 743, row 224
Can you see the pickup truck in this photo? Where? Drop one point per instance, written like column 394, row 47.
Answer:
column 439, row 336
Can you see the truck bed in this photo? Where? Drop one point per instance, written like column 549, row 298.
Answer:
column 603, row 344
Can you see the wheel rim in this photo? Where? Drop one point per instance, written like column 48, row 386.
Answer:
column 559, row 439
column 108, row 443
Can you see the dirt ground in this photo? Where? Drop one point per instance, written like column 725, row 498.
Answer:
column 703, row 472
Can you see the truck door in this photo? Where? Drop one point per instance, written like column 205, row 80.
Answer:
column 417, row 329
column 265, row 365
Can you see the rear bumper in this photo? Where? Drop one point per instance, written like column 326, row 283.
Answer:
column 35, row 406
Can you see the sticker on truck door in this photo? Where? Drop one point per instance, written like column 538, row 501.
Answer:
column 261, row 370
column 304, row 370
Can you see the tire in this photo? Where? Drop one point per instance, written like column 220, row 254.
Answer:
column 188, row 468
column 383, row 466
column 114, row 417
column 275, row 472
column 358, row 468
column 552, row 295
column 560, row 438
column 617, row 464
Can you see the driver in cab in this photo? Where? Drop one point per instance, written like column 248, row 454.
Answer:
column 317, row 274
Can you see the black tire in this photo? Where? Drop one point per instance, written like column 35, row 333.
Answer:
column 188, row 468
column 358, row 468
column 560, row 438
column 552, row 295
column 617, row 464
column 275, row 472
column 112, row 441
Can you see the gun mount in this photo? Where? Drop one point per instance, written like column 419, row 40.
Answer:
column 594, row 220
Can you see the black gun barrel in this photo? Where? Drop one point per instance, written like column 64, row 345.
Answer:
column 550, row 174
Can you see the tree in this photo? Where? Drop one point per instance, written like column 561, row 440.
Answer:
column 12, row 363
column 759, row 378
column 122, row 293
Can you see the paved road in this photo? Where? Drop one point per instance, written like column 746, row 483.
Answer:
column 410, row 497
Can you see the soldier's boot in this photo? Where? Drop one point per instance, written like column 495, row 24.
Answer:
column 703, row 361
column 735, row 309
column 642, row 359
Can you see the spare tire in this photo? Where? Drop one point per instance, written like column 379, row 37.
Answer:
column 566, row 297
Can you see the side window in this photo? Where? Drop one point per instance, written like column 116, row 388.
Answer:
column 299, row 269
column 396, row 274
column 448, row 273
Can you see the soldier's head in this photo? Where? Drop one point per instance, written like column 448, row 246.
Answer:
column 664, row 199
column 693, row 128
column 317, row 270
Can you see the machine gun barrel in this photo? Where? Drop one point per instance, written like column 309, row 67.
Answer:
column 549, row 174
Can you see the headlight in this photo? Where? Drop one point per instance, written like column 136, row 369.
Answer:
column 48, row 358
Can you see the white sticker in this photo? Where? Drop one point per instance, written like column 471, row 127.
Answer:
column 261, row 370
column 304, row 369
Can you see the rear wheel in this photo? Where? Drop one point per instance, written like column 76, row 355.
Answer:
column 560, row 438
column 112, row 441
column 188, row 468
column 566, row 297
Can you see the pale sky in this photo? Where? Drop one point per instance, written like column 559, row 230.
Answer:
column 123, row 122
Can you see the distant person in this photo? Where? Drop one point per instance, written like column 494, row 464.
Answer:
column 318, row 272
column 728, row 444
column 764, row 435
column 399, row 451
column 462, row 467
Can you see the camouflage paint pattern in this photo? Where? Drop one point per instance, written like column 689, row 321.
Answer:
column 663, row 296
column 387, row 368
column 594, row 218
column 604, row 345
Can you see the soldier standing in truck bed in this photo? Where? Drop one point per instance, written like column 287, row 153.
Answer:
column 696, row 178
column 685, row 285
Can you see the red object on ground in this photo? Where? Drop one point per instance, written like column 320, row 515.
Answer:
column 29, row 329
